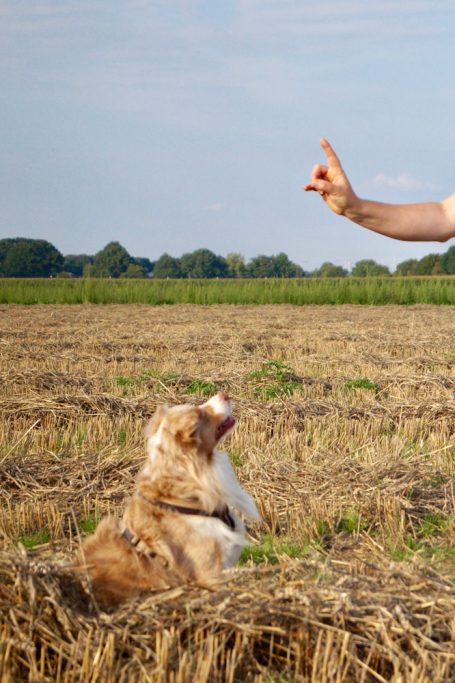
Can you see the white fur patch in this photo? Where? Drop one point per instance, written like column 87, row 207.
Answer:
column 231, row 541
column 216, row 485
column 219, row 405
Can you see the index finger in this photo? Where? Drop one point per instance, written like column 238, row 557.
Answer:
column 330, row 153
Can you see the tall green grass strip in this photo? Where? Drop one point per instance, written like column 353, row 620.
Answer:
column 369, row 291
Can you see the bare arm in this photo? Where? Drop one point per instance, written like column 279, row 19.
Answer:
column 430, row 221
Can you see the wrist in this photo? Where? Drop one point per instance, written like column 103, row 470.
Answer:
column 354, row 209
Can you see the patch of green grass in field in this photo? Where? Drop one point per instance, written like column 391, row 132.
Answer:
column 122, row 381
column 201, row 388
column 88, row 524
column 322, row 528
column 399, row 553
column 127, row 383
column 39, row 537
column 270, row 548
column 433, row 524
column 273, row 379
column 361, row 383
column 427, row 540
column 444, row 552
column 146, row 378
column 236, row 457
column 272, row 369
column 351, row 522
column 271, row 391
column 59, row 443
column 121, row 437
column 405, row 550
column 256, row 554
column 81, row 436
column 155, row 374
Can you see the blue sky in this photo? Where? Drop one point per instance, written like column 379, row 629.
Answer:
column 173, row 125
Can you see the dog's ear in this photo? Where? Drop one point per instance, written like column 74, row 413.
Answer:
column 152, row 425
column 186, row 427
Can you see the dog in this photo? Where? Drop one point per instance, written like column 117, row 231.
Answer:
column 182, row 524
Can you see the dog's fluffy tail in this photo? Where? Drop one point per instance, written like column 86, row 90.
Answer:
column 117, row 571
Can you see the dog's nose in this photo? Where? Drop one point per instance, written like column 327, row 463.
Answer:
column 223, row 395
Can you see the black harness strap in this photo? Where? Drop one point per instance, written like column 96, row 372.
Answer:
column 225, row 516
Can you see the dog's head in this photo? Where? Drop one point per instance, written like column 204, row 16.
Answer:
column 183, row 461
column 189, row 429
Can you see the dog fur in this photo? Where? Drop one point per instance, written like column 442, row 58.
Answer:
column 183, row 468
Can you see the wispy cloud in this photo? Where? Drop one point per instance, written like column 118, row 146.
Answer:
column 216, row 206
column 403, row 181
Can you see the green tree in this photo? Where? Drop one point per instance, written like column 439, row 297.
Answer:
column 369, row 268
column 167, row 267
column 273, row 266
column 429, row 265
column 145, row 263
column 74, row 263
column 284, row 267
column 236, row 265
column 135, row 271
column 329, row 269
column 5, row 246
column 111, row 261
column 408, row 267
column 448, row 261
column 261, row 266
column 203, row 263
column 31, row 258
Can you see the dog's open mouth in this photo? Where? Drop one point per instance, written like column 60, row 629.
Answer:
column 225, row 427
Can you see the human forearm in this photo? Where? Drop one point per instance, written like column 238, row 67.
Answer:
column 409, row 222
column 430, row 221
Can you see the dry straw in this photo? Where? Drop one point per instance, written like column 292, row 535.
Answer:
column 361, row 621
column 346, row 439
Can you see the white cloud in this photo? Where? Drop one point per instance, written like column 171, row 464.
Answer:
column 216, row 206
column 403, row 181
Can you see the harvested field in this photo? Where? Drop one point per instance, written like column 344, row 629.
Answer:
column 345, row 437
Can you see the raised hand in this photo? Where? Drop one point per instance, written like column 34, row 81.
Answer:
column 332, row 182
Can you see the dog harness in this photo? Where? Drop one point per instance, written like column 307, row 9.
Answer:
column 138, row 544
column 224, row 516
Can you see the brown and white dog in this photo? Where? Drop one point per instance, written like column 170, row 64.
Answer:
column 182, row 524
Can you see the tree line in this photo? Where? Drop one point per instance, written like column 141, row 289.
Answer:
column 23, row 257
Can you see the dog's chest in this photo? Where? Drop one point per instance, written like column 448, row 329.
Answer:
column 230, row 541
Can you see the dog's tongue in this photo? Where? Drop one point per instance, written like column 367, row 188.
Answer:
column 225, row 426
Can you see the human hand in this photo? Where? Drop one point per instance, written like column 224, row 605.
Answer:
column 332, row 183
